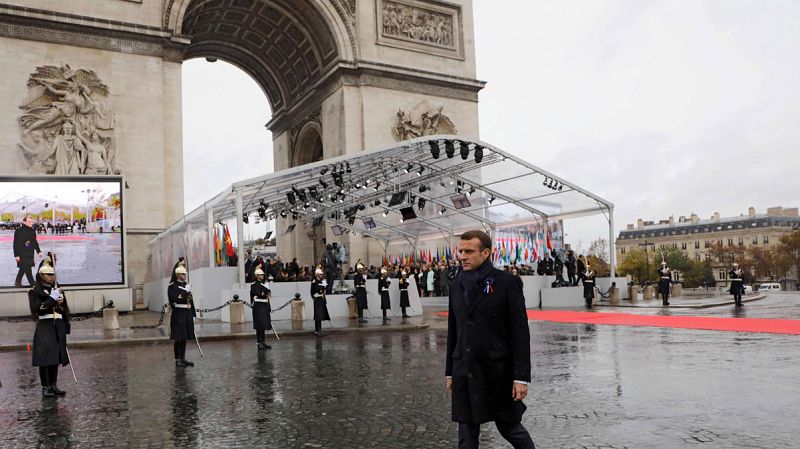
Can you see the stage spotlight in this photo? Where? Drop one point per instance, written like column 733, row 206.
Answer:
column 464, row 150
column 478, row 153
column 491, row 199
column 294, row 216
column 341, row 199
column 283, row 214
column 347, row 164
column 46, row 204
column 376, row 203
column 421, row 204
column 313, row 208
column 422, row 188
column 408, row 169
column 245, row 218
column 323, row 171
column 449, row 148
column 434, row 148
column 358, row 184
column 421, row 169
column 385, row 212
column 560, row 187
column 290, row 198
column 323, row 183
column 442, row 210
column 376, row 186
column 361, row 207
column 544, row 183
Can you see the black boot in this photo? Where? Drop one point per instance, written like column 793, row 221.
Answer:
column 187, row 363
column 57, row 391
column 180, row 363
column 47, row 392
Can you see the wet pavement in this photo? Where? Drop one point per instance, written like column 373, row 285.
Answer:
column 593, row 387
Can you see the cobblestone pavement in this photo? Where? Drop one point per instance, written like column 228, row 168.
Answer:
column 593, row 387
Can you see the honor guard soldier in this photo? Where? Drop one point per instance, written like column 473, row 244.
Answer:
column 383, row 288
column 259, row 301
column 737, row 283
column 588, row 286
column 318, row 286
column 49, row 307
column 181, row 323
column 360, row 282
column 403, row 284
column 664, row 280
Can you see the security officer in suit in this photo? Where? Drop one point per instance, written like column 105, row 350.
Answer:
column 318, row 287
column 588, row 286
column 49, row 307
column 664, row 281
column 383, row 289
column 404, row 301
column 737, row 284
column 488, row 365
column 25, row 244
column 259, row 301
column 181, row 322
column 360, row 282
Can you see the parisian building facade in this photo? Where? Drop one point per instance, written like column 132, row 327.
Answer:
column 700, row 238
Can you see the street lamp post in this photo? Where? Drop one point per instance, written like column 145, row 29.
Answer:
column 645, row 244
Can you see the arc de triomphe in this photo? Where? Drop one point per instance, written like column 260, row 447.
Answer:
column 340, row 76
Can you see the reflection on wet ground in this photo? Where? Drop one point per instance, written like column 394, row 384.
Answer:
column 593, row 387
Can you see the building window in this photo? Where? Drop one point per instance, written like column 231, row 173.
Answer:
column 683, row 245
column 766, row 239
column 719, row 242
column 708, row 256
column 675, row 245
column 622, row 250
column 661, row 246
column 730, row 242
column 722, row 274
column 741, row 241
column 696, row 245
column 707, row 244
column 755, row 240
column 697, row 257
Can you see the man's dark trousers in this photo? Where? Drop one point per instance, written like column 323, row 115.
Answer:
column 514, row 433
column 24, row 269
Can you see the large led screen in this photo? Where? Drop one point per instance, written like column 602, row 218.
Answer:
column 76, row 219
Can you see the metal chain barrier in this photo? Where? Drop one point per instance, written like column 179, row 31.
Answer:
column 160, row 320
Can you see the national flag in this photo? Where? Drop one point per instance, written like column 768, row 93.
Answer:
column 229, row 251
column 547, row 237
column 217, row 259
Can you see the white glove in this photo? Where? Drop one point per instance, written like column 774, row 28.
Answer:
column 324, row 283
column 55, row 294
column 187, row 287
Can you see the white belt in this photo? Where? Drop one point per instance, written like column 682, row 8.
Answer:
column 385, row 290
column 665, row 277
column 260, row 300
column 182, row 306
column 51, row 316
column 319, row 296
column 588, row 281
column 361, row 286
column 736, row 280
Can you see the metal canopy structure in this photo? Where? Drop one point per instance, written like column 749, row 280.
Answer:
column 451, row 183
column 20, row 204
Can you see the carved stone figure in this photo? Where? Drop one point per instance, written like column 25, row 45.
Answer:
column 66, row 122
column 417, row 24
column 422, row 120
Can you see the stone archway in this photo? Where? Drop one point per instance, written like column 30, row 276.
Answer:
column 309, row 243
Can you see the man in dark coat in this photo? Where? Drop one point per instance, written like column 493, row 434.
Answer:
column 571, row 267
column 318, row 289
column 581, row 268
column 488, row 347
column 588, row 286
column 737, row 284
column 664, row 280
column 259, row 302
column 383, row 289
column 329, row 267
column 404, row 301
column 181, row 322
column 360, row 282
column 49, row 307
column 25, row 244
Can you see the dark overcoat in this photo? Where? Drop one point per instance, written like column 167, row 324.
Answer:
column 320, row 303
column 25, row 244
column 488, row 348
column 261, row 310
column 588, row 284
column 663, row 281
column 50, row 336
column 737, row 285
column 383, row 288
column 181, row 323
column 403, row 284
column 360, row 283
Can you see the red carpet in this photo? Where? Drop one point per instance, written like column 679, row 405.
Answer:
column 758, row 325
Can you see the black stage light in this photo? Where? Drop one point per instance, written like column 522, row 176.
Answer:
column 442, row 210
column 323, row 171
column 434, row 148
column 421, row 204
column 422, row 188
column 294, row 216
column 323, row 183
column 283, row 214
column 376, row 186
column 421, row 169
column 560, row 187
column 361, row 207
column 385, row 212
column 408, row 169
column 46, row 204
column 544, row 183
column 377, row 203
column 245, row 218
column 478, row 153
column 407, row 214
column 348, row 170
column 290, row 198
column 397, row 198
column 491, row 199
column 464, row 150
column 449, row 148
column 358, row 184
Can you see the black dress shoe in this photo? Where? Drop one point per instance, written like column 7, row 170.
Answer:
column 47, row 392
column 187, row 363
column 264, row 346
column 57, row 391
column 180, row 364
column 362, row 320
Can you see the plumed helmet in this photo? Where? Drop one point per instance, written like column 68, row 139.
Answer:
column 383, row 270
column 259, row 272
column 359, row 266
column 735, row 264
column 663, row 263
column 404, row 273
column 180, row 270
column 319, row 271
column 46, row 269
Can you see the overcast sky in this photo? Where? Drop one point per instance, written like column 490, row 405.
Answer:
column 661, row 107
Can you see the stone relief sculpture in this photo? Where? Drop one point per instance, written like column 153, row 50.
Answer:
column 417, row 24
column 67, row 127
column 421, row 121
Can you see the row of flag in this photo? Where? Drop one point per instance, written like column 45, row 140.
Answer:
column 442, row 253
column 223, row 245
